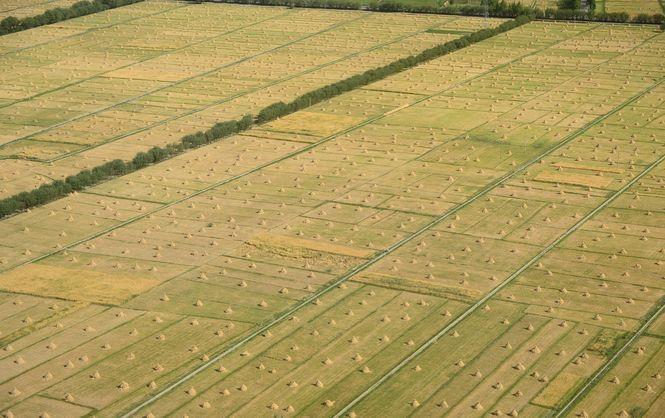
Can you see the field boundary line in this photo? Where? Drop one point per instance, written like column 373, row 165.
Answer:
column 382, row 254
column 617, row 356
column 500, row 287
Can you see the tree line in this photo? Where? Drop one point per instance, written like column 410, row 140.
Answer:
column 86, row 178
column 568, row 10
column 13, row 24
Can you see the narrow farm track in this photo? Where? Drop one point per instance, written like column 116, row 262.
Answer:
column 389, row 250
column 434, row 339
column 590, row 383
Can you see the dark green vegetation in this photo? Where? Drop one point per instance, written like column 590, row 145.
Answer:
column 12, row 24
column 570, row 4
column 86, row 178
column 495, row 8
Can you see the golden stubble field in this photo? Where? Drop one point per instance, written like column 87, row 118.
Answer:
column 477, row 235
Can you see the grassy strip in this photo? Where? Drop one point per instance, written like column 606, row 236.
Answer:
column 495, row 8
column 86, row 178
column 13, row 24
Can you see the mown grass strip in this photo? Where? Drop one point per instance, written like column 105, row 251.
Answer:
column 60, row 188
column 12, row 24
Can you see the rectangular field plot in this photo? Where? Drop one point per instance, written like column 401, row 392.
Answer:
column 474, row 243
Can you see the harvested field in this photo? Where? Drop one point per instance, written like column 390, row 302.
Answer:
column 27, row 8
column 485, row 242
column 633, row 7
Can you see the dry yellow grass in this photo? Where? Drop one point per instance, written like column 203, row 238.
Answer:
column 556, row 390
column 74, row 284
column 301, row 122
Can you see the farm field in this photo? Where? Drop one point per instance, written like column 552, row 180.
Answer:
column 632, row 7
column 481, row 234
column 115, row 83
column 26, row 8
